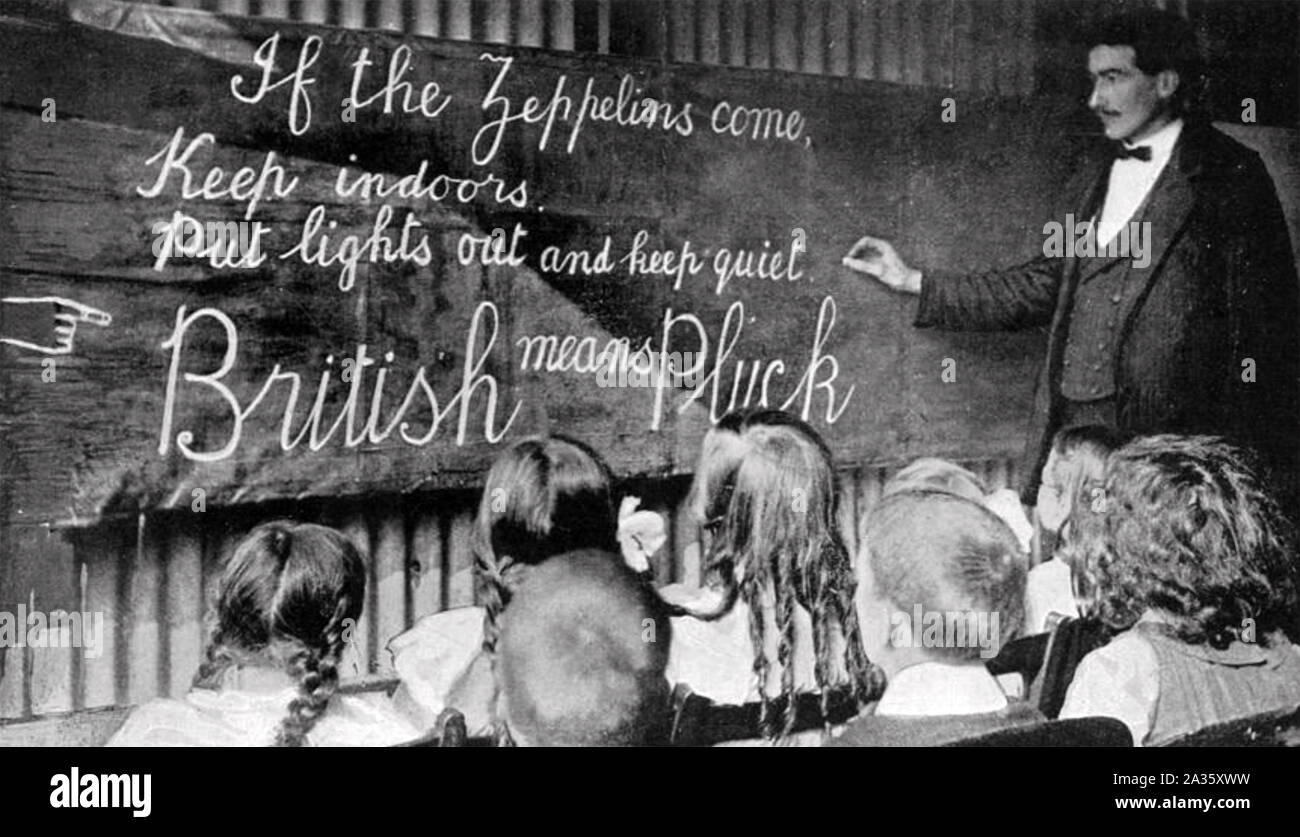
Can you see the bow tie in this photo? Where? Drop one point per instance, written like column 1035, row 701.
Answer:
column 1137, row 152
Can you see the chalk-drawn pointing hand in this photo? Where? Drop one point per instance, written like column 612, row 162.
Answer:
column 877, row 257
column 66, row 314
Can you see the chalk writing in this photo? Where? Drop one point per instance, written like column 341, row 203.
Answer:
column 246, row 184
column 420, row 395
column 317, row 247
column 299, row 81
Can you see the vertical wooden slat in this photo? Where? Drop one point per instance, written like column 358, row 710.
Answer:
column 145, row 628
column 275, row 9
column 219, row 541
column 426, row 20
column 390, row 617
column 708, row 31
column 102, row 563
column 602, row 26
column 532, row 23
column 812, row 57
column 985, row 41
column 914, row 55
column 424, row 561
column 559, row 25
column 849, row 509
column 758, row 35
column 839, row 38
column 1026, row 49
column 356, row 653
column 352, row 15
column 13, row 682
column 941, row 45
column 184, row 618
column 189, row 4
column 51, row 666
column 785, row 35
column 865, row 29
column 460, row 561
column 681, row 30
column 963, row 47
column 232, row 7
column 314, row 11
column 390, row 15
column 459, row 21
column 685, row 544
column 735, row 18
column 496, row 21
column 891, row 41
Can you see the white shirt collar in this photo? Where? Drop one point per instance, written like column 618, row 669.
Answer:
column 933, row 688
column 1161, row 142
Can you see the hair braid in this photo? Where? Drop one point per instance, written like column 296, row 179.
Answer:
column 751, row 590
column 317, row 673
column 217, row 659
column 785, row 625
column 818, row 594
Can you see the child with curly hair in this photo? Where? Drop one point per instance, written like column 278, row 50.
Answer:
column 1192, row 560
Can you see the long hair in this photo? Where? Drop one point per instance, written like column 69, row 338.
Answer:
column 766, row 493
column 1185, row 527
column 287, row 596
column 543, row 496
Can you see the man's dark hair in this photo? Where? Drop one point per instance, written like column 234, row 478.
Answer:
column 1161, row 41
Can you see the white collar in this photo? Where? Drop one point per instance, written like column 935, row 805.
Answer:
column 1161, row 142
column 933, row 688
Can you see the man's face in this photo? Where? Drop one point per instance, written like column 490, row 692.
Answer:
column 1130, row 103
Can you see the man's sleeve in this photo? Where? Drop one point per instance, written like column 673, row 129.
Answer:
column 1001, row 300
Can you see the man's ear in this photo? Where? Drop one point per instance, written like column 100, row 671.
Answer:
column 1167, row 83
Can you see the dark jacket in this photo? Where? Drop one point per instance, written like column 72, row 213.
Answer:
column 1220, row 288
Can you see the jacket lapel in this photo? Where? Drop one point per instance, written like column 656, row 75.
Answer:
column 1168, row 206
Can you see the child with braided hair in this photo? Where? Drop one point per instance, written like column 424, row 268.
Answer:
column 543, row 496
column 270, row 670
column 777, row 616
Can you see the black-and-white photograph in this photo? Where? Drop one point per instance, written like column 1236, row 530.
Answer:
column 690, row 373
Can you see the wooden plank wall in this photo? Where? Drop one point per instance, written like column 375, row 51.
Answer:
column 155, row 578
column 984, row 46
column 152, row 577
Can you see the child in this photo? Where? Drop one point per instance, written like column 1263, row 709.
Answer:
column 778, row 617
column 581, row 656
column 269, row 674
column 942, row 586
column 933, row 474
column 542, row 496
column 1192, row 560
column 1074, row 468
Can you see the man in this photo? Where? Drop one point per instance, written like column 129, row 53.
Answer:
column 1198, row 334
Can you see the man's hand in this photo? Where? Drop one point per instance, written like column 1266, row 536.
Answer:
column 877, row 257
